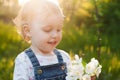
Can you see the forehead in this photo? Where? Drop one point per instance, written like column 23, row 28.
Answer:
column 53, row 20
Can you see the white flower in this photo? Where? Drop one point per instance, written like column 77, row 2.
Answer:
column 76, row 71
column 90, row 68
column 98, row 70
column 76, row 57
column 96, row 63
column 86, row 77
column 77, row 65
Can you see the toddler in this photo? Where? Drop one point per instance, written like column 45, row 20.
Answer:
column 40, row 23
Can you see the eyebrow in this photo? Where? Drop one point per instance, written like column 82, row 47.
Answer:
column 45, row 26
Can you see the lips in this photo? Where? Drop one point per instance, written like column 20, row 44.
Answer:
column 52, row 43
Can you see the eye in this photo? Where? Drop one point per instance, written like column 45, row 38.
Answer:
column 59, row 30
column 47, row 29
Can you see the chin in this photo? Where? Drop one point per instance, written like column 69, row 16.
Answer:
column 48, row 50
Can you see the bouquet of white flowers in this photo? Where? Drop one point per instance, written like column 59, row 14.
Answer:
column 76, row 71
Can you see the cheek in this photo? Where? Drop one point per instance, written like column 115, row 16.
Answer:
column 37, row 36
column 42, row 37
column 60, row 37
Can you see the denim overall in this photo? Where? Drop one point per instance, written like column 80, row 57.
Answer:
column 50, row 72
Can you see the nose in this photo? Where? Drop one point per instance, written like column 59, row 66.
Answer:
column 54, row 34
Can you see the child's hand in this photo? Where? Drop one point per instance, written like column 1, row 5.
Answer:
column 93, row 77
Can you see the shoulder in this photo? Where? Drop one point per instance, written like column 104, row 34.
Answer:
column 22, row 67
column 65, row 56
column 22, row 61
column 64, row 53
column 22, row 58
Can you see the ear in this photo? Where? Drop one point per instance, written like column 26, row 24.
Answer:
column 26, row 33
column 26, row 30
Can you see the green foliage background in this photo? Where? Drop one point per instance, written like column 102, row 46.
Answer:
column 80, row 35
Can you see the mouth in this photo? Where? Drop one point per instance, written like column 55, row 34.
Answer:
column 52, row 43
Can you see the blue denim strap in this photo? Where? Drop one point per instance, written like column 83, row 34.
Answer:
column 33, row 60
column 59, row 56
column 32, row 57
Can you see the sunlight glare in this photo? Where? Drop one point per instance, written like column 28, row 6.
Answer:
column 22, row 2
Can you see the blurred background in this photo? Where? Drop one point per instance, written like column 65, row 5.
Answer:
column 91, row 29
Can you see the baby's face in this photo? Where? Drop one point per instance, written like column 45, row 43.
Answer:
column 46, row 36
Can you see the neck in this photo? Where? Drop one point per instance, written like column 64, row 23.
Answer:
column 38, row 51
